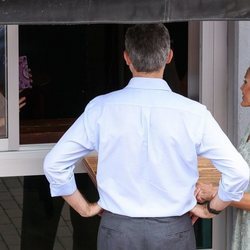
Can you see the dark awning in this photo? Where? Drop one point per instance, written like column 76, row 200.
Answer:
column 120, row 11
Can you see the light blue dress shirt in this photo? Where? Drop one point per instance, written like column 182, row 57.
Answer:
column 147, row 139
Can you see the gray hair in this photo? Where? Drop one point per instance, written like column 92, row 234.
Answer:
column 147, row 46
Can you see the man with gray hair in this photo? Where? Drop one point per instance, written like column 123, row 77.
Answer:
column 148, row 139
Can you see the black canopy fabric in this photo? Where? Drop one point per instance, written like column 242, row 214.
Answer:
column 120, row 11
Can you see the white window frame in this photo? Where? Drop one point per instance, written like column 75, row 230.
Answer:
column 12, row 140
column 16, row 159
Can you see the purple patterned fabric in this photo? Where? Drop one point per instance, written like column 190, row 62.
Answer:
column 24, row 76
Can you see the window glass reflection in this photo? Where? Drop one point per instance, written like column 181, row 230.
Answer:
column 3, row 83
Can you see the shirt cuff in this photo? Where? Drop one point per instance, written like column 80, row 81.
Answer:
column 229, row 196
column 63, row 189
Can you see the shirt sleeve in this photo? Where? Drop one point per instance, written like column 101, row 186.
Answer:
column 60, row 162
column 234, row 170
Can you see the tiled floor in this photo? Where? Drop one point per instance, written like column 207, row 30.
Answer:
column 11, row 197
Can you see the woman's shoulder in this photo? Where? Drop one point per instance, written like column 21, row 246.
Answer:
column 244, row 147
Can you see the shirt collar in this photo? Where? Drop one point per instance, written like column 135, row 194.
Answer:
column 148, row 83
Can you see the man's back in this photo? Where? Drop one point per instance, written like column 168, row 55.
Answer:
column 147, row 138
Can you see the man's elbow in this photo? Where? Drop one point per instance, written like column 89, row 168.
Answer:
column 48, row 166
column 244, row 175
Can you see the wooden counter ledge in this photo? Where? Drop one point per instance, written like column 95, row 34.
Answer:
column 208, row 173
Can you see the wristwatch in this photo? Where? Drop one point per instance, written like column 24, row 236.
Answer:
column 211, row 210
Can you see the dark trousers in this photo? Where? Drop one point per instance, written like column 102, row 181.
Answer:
column 117, row 232
column 41, row 215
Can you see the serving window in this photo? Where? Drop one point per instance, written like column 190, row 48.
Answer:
column 71, row 64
